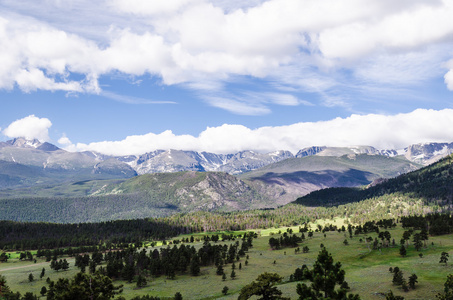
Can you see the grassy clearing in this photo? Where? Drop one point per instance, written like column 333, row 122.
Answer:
column 367, row 271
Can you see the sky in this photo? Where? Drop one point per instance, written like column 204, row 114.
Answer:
column 127, row 77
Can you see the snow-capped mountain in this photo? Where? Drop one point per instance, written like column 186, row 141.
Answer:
column 428, row 153
column 423, row 153
column 45, row 157
column 177, row 160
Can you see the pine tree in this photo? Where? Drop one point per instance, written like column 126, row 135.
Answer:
column 233, row 274
column 219, row 270
column 43, row 291
column 412, row 281
column 443, row 258
column 263, row 286
column 195, row 266
column 141, row 281
column 178, row 296
column 325, row 275
column 398, row 278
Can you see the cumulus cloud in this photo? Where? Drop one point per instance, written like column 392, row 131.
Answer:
column 188, row 41
column 380, row 131
column 30, row 127
column 64, row 140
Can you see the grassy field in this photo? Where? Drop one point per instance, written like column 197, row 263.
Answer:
column 367, row 271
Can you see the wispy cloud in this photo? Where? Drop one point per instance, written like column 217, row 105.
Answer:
column 307, row 46
column 132, row 100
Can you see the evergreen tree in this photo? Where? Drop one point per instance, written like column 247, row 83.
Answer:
column 233, row 274
column 29, row 296
column 443, row 258
column 412, row 281
column 325, row 276
column 263, row 286
column 398, row 278
column 448, row 289
column 83, row 287
column 403, row 251
column 31, row 277
column 225, row 290
column 195, row 266
column 390, row 296
column 141, row 281
column 43, row 291
column 65, row 265
column 418, row 244
column 219, row 270
column 129, row 272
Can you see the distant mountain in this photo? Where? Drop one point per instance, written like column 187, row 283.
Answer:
column 29, row 162
column 423, row 153
column 300, row 176
column 161, row 161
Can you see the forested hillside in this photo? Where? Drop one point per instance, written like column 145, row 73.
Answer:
column 432, row 185
column 149, row 195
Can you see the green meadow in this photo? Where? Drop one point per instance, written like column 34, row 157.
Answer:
column 367, row 270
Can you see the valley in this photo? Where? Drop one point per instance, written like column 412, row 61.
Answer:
column 367, row 269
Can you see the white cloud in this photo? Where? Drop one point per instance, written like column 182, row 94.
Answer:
column 449, row 76
column 380, row 131
column 449, row 79
column 64, row 140
column 187, row 41
column 30, row 127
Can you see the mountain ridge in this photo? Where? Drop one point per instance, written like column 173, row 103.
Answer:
column 42, row 162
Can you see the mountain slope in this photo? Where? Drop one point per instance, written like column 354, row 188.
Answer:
column 149, row 195
column 25, row 163
column 300, row 176
column 189, row 191
column 432, row 184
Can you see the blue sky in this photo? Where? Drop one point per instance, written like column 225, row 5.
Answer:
column 127, row 77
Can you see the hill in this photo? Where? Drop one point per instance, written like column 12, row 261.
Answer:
column 432, row 184
column 300, row 176
column 149, row 195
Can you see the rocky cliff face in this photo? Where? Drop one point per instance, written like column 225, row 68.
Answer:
column 428, row 153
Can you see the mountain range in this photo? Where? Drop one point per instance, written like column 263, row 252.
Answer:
column 28, row 163
column 33, row 153
column 164, row 182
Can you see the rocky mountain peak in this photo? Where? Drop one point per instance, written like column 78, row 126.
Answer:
column 22, row 142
